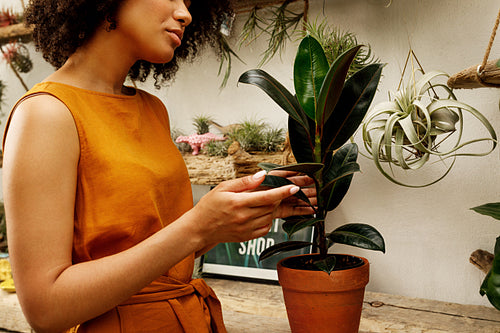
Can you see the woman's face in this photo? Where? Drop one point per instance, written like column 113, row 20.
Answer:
column 152, row 29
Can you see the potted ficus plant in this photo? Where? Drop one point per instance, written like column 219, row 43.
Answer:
column 323, row 292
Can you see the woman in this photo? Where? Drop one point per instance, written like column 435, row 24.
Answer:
column 102, row 232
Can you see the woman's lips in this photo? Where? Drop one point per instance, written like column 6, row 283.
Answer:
column 176, row 36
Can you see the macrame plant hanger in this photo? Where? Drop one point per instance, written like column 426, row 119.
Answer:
column 486, row 74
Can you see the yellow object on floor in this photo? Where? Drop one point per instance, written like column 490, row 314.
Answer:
column 8, row 285
column 5, row 270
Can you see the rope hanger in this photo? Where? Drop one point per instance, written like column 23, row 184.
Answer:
column 486, row 74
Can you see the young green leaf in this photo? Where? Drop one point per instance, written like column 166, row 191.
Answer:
column 309, row 72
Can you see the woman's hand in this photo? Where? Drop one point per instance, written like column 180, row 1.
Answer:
column 292, row 206
column 234, row 212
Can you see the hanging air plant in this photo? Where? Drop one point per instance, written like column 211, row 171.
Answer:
column 8, row 17
column 336, row 41
column 421, row 120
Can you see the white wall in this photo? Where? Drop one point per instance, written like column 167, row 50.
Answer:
column 429, row 232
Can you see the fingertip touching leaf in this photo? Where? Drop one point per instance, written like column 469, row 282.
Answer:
column 275, row 181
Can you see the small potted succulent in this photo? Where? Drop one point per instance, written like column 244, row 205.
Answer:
column 323, row 292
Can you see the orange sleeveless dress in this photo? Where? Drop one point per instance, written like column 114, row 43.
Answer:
column 132, row 181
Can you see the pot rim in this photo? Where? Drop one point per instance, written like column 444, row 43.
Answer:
column 363, row 262
column 319, row 281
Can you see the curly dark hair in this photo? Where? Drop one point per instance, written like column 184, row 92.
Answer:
column 61, row 26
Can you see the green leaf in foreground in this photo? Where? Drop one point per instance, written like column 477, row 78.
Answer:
column 490, row 209
column 491, row 284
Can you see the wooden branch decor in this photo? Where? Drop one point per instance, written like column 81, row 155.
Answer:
column 487, row 74
column 469, row 78
column 482, row 259
column 14, row 32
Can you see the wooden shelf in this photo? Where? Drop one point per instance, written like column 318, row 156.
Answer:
column 14, row 32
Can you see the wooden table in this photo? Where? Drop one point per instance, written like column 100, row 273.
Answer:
column 258, row 308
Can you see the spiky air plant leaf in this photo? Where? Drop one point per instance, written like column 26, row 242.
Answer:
column 201, row 123
column 18, row 56
column 282, row 22
column 423, row 119
column 336, row 41
column 8, row 17
column 254, row 27
column 225, row 54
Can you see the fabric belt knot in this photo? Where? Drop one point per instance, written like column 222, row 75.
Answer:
column 202, row 288
column 171, row 290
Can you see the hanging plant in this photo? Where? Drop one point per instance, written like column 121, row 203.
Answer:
column 335, row 42
column 279, row 28
column 420, row 120
column 18, row 56
column 8, row 17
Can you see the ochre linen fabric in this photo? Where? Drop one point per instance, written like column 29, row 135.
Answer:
column 132, row 181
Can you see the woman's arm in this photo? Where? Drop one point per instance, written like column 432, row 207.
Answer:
column 39, row 178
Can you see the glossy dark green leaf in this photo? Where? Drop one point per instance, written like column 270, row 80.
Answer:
column 333, row 192
column 291, row 226
column 277, row 92
column 309, row 71
column 283, row 247
column 359, row 235
column 351, row 108
column 275, row 181
column 333, row 84
column 338, row 175
column 306, row 168
column 491, row 284
column 301, row 141
column 490, row 209
column 326, row 265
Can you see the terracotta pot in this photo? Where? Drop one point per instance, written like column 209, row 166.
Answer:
column 318, row 302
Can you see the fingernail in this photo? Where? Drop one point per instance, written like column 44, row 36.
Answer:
column 259, row 175
column 294, row 189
